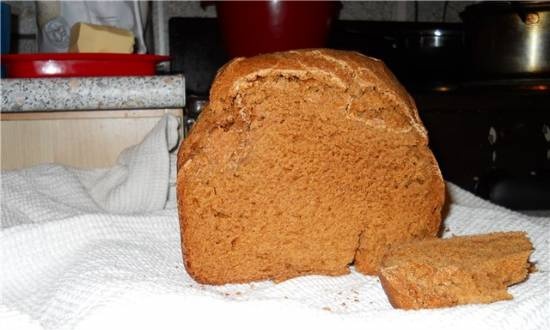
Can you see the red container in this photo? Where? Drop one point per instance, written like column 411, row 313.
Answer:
column 44, row 65
column 253, row 27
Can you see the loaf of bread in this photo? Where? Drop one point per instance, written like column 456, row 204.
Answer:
column 302, row 163
column 461, row 270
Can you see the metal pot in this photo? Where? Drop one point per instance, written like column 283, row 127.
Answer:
column 509, row 38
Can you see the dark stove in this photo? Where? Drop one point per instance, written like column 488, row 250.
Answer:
column 493, row 139
column 490, row 135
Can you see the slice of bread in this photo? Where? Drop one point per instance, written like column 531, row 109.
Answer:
column 460, row 270
column 302, row 163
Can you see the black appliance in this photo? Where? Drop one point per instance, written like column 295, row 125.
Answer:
column 490, row 136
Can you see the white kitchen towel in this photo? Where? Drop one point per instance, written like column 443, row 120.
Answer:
column 140, row 181
column 68, row 264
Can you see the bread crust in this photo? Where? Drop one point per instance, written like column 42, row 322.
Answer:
column 352, row 70
column 352, row 73
column 435, row 273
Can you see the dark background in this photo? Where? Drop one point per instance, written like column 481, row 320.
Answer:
column 490, row 136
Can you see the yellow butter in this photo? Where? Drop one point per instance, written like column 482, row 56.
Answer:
column 92, row 38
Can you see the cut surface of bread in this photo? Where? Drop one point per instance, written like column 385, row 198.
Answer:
column 461, row 270
column 302, row 163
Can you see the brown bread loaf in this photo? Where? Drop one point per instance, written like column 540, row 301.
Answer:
column 461, row 270
column 302, row 163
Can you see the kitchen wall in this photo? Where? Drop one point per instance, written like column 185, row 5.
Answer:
column 24, row 25
column 429, row 11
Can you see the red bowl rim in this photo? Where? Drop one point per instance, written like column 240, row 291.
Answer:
column 84, row 57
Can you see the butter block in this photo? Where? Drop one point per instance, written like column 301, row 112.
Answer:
column 92, row 38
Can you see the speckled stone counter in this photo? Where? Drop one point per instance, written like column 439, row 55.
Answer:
column 50, row 94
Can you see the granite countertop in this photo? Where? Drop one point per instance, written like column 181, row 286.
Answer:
column 54, row 94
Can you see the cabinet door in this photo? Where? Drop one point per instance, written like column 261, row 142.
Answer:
column 85, row 139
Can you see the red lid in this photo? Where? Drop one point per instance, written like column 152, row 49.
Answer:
column 41, row 65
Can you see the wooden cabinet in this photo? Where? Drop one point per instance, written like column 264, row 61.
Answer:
column 85, row 139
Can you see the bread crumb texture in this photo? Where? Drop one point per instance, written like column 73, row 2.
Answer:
column 460, row 270
column 302, row 163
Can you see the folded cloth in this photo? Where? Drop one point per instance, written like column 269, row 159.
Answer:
column 140, row 180
column 67, row 263
column 143, row 180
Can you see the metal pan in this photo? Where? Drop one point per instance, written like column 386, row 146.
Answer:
column 509, row 38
